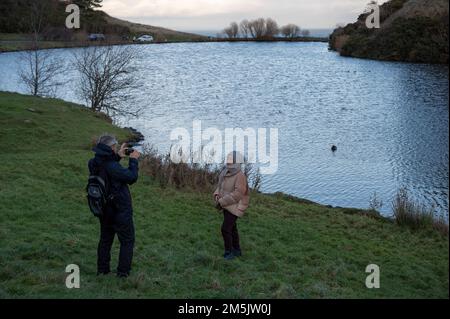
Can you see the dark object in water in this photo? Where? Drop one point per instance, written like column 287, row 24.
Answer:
column 334, row 148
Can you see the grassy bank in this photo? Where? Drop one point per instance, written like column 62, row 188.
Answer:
column 11, row 42
column 292, row 248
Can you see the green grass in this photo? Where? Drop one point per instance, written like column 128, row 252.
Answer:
column 11, row 46
column 10, row 42
column 21, row 41
column 292, row 249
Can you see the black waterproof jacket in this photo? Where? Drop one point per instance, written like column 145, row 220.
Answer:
column 119, row 177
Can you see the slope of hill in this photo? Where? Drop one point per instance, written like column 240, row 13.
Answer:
column 292, row 248
column 158, row 33
column 17, row 16
column 410, row 31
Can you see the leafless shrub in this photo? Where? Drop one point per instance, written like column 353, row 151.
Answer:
column 306, row 33
column 258, row 28
column 180, row 175
column 409, row 213
column 375, row 203
column 200, row 177
column 244, row 28
column 107, row 78
column 232, row 31
column 290, row 31
column 40, row 71
column 272, row 29
column 254, row 176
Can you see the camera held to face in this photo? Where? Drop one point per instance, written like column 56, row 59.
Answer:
column 131, row 148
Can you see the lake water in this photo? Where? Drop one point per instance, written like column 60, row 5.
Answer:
column 388, row 120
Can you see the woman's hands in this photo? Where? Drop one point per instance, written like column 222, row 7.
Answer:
column 216, row 199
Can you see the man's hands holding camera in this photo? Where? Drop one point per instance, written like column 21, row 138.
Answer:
column 135, row 154
column 125, row 151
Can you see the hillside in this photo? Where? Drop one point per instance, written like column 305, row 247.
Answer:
column 158, row 33
column 16, row 26
column 410, row 31
column 292, row 248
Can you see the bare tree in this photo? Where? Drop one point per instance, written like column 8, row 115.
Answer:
column 37, row 20
column 258, row 28
column 261, row 28
column 232, row 31
column 235, row 29
column 228, row 32
column 306, row 33
column 244, row 27
column 272, row 29
column 107, row 78
column 254, row 176
column 286, row 31
column 290, row 31
column 38, row 69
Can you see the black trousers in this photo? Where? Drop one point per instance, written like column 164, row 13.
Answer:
column 230, row 232
column 123, row 226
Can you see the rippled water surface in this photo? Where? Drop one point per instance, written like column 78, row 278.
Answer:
column 388, row 120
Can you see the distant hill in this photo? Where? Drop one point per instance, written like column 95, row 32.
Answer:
column 157, row 32
column 16, row 16
column 410, row 31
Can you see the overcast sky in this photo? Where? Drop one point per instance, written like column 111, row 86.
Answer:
column 212, row 15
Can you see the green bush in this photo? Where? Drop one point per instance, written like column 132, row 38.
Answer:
column 417, row 39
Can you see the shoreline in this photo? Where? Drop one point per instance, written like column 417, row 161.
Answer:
column 47, row 45
column 137, row 136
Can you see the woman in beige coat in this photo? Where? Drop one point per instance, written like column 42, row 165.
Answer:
column 232, row 198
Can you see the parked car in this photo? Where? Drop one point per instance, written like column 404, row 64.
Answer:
column 144, row 38
column 97, row 37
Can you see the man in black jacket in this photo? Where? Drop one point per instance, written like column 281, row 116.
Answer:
column 118, row 216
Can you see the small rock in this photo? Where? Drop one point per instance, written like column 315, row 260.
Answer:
column 30, row 109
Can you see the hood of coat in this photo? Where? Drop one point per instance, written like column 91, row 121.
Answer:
column 232, row 169
column 229, row 170
column 103, row 153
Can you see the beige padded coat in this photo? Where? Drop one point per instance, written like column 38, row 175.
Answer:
column 233, row 193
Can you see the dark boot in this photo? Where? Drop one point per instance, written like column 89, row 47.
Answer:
column 122, row 275
column 228, row 255
column 236, row 252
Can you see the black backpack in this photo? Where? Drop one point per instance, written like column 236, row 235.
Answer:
column 98, row 192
